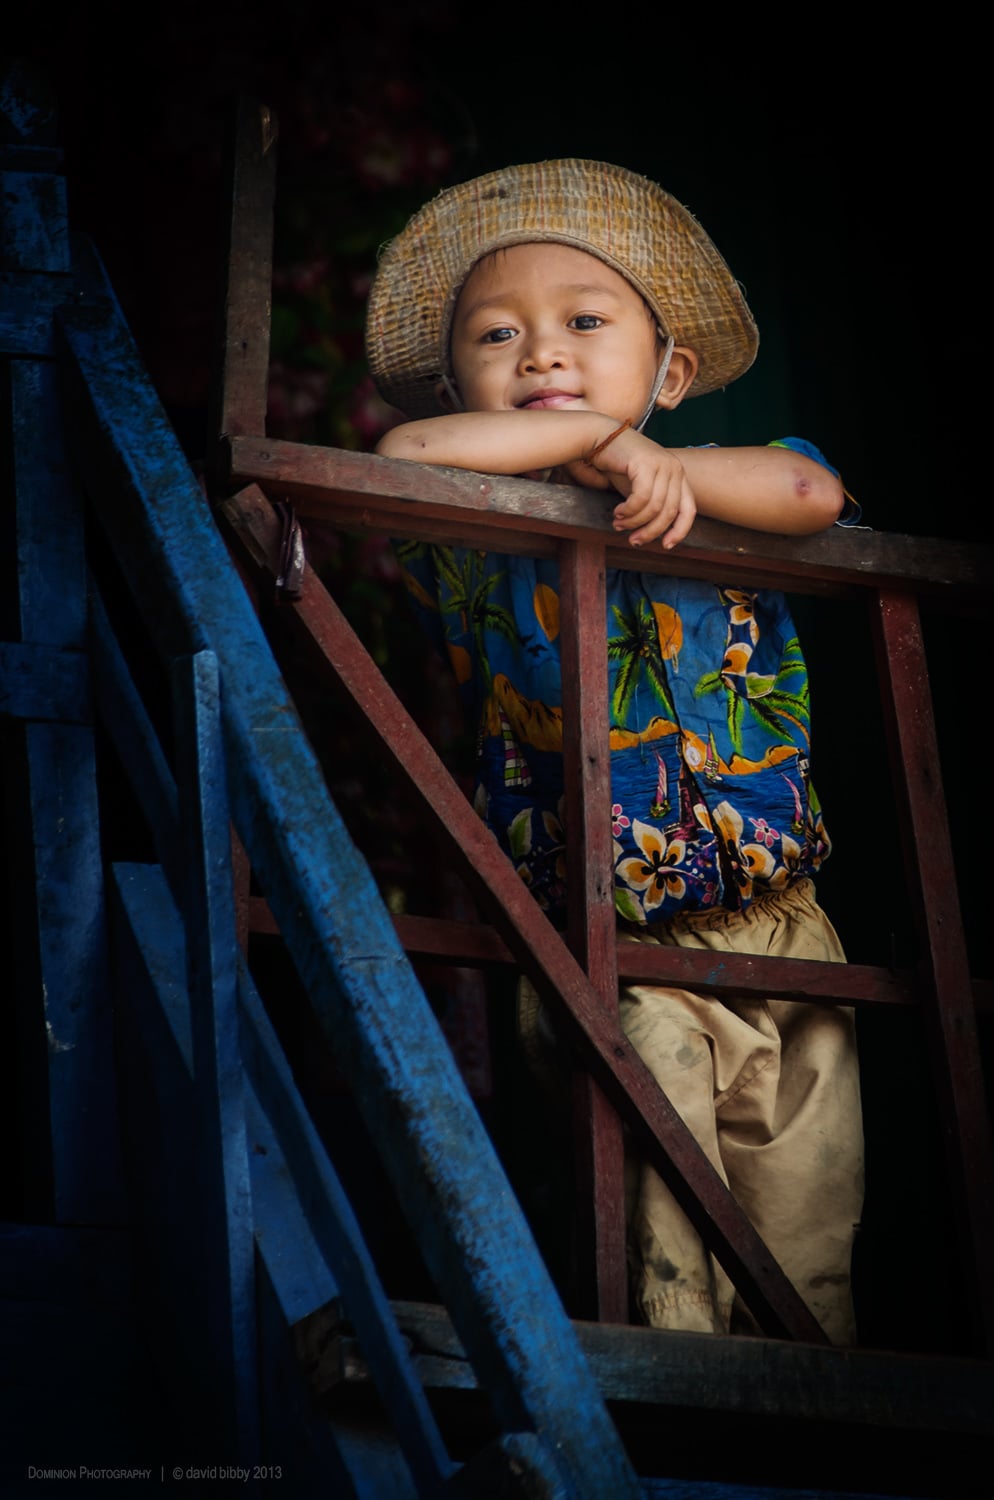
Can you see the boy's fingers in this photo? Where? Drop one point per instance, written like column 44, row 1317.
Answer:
column 646, row 526
column 641, row 515
column 686, row 515
column 645, row 500
column 660, row 504
column 647, row 516
column 670, row 518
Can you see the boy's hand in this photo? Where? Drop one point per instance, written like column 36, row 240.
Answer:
column 659, row 501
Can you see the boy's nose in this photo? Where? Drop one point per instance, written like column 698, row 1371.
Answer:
column 543, row 352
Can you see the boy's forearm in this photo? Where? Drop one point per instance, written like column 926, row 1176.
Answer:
column 504, row 442
column 763, row 488
column 766, row 489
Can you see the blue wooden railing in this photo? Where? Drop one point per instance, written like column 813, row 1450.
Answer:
column 241, row 1226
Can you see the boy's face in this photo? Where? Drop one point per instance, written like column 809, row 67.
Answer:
column 545, row 325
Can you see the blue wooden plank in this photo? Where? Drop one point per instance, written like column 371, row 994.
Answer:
column 334, row 1226
column 515, row 1463
column 176, row 1282
column 63, row 990
column 305, row 1200
column 34, row 227
column 157, row 1092
column 416, row 1106
column 44, row 683
column 296, row 1276
column 301, row 1278
column 51, row 566
column 68, row 1001
column 321, row 1452
column 316, row 1454
column 208, row 908
column 123, row 714
column 151, row 918
column 27, row 305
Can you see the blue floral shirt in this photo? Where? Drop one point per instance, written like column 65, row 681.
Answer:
column 712, row 801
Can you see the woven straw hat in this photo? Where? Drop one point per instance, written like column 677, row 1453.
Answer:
column 625, row 219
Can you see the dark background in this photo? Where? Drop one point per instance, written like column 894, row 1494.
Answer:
column 840, row 175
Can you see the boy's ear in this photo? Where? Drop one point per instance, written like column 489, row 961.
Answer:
column 679, row 378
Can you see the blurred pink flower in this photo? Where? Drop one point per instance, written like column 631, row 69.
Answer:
column 301, row 279
column 369, row 413
column 294, row 397
column 392, row 156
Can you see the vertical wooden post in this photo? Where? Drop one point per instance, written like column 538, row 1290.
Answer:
column 211, row 952
column 950, row 1016
column 240, row 377
column 241, row 372
column 592, row 936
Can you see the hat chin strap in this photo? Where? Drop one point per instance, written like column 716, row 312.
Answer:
column 657, row 385
column 452, row 394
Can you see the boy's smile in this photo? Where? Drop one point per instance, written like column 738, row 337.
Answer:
column 542, row 326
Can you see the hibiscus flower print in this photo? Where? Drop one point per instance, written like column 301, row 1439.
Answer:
column 654, row 871
column 763, row 832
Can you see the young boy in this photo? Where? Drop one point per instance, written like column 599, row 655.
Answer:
column 530, row 322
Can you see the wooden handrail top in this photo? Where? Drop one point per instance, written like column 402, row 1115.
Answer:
column 366, row 492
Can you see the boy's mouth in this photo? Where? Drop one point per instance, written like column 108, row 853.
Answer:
column 547, row 397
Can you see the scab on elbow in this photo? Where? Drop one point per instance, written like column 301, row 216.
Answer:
column 821, row 496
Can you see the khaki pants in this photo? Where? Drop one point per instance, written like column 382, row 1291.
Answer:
column 770, row 1090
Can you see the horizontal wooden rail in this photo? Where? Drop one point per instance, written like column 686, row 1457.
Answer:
column 456, row 507
column 474, row 945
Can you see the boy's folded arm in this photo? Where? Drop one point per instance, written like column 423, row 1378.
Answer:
column 498, row 442
column 770, row 489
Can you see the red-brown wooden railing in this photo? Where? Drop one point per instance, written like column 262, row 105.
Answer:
column 889, row 574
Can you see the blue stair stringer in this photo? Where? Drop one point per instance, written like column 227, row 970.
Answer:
column 414, row 1103
column 304, row 1228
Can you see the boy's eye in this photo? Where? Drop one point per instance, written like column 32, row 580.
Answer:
column 498, row 335
column 585, row 321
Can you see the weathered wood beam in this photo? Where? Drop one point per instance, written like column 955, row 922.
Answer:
column 746, row 1376
column 599, row 1148
column 238, row 395
column 376, row 494
column 477, row 945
